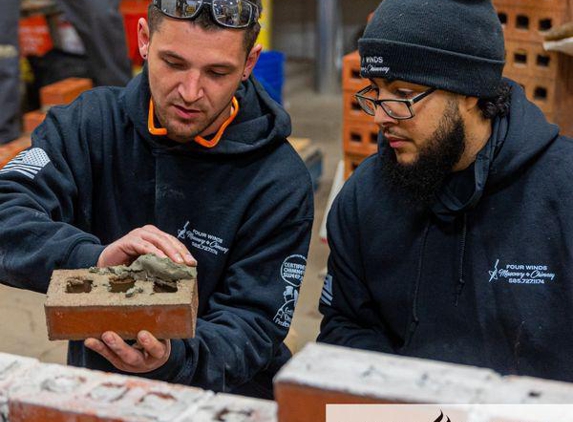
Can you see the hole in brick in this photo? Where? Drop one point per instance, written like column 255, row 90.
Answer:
column 545, row 24
column 108, row 392
column 355, row 137
column 62, row 384
column 121, row 285
column 520, row 57
column 502, row 18
column 374, row 138
column 540, row 93
column 164, row 287
column 228, row 415
column 356, row 106
column 535, row 394
column 543, row 61
column 156, row 400
column 355, row 74
column 78, row 285
column 522, row 22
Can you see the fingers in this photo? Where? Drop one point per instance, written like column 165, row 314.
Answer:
column 104, row 350
column 145, row 240
column 146, row 355
column 120, row 349
column 173, row 247
column 155, row 348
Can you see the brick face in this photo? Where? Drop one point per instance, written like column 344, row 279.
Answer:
column 32, row 120
column 12, row 149
column 34, row 392
column 359, row 130
column 63, row 92
column 547, row 77
column 323, row 374
column 74, row 313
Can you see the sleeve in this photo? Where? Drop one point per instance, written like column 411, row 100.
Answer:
column 350, row 316
column 38, row 201
column 247, row 320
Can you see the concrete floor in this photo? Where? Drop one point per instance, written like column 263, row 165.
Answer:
column 23, row 331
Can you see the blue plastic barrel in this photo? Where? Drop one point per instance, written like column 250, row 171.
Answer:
column 270, row 73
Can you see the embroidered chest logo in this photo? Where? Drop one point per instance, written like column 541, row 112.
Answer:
column 521, row 274
column 203, row 241
column 292, row 272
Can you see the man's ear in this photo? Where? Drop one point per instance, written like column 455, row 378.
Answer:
column 252, row 60
column 143, row 38
column 470, row 104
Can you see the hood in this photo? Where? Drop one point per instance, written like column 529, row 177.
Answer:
column 516, row 141
column 260, row 122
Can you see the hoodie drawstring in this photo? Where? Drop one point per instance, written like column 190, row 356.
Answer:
column 415, row 319
column 461, row 281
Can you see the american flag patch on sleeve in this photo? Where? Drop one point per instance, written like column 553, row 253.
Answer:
column 326, row 296
column 29, row 163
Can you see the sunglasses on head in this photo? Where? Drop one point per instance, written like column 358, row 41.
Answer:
column 227, row 13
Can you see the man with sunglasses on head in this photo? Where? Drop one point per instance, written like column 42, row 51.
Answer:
column 453, row 242
column 189, row 161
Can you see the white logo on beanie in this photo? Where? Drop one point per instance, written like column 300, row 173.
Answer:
column 372, row 66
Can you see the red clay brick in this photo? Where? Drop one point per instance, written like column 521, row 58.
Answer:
column 12, row 149
column 63, row 92
column 226, row 407
column 351, row 79
column 322, row 374
column 59, row 394
column 32, row 120
column 73, row 313
column 360, row 138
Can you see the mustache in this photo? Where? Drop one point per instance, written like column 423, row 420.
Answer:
column 389, row 133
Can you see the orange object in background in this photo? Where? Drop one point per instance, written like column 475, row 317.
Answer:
column 32, row 120
column 132, row 11
column 34, row 36
column 64, row 92
column 12, row 149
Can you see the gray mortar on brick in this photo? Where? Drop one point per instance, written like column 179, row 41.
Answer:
column 397, row 379
column 146, row 272
column 232, row 408
column 100, row 296
column 150, row 267
column 108, row 396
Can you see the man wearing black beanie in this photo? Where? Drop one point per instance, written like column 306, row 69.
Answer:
column 454, row 242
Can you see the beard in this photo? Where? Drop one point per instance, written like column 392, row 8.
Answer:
column 421, row 180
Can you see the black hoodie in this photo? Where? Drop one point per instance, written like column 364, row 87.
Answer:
column 483, row 278
column 244, row 209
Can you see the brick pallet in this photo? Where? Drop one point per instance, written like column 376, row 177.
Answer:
column 546, row 77
column 360, row 133
column 58, row 93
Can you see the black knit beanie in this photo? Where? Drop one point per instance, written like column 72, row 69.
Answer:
column 454, row 45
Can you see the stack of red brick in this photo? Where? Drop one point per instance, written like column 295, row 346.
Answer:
column 360, row 134
column 35, row 392
column 547, row 77
column 59, row 93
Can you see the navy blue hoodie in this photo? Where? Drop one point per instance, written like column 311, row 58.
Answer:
column 482, row 278
column 244, row 209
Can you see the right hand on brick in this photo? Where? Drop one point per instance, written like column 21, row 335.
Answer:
column 144, row 240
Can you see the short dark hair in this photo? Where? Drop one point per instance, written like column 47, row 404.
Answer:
column 205, row 20
column 498, row 105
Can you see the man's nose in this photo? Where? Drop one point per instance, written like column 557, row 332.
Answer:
column 190, row 88
column 382, row 119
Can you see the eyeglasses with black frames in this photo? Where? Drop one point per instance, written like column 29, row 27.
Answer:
column 227, row 13
column 396, row 108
